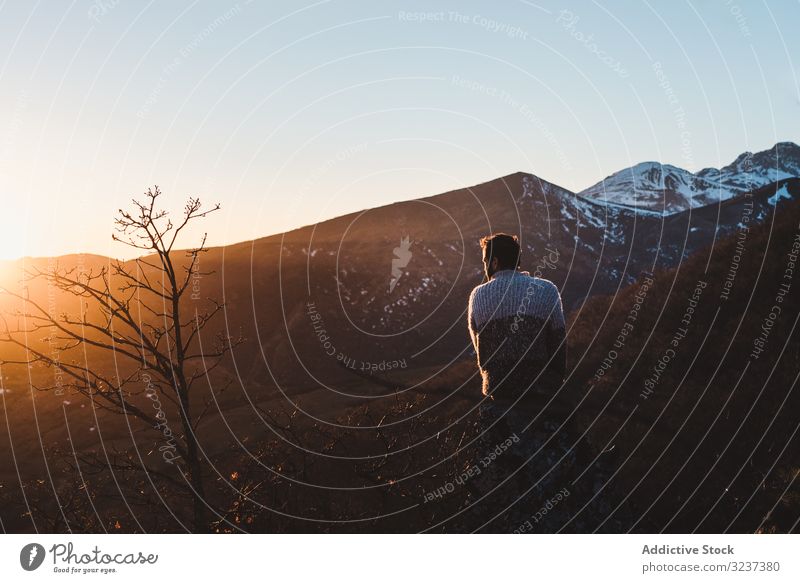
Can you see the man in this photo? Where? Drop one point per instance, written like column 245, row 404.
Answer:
column 517, row 327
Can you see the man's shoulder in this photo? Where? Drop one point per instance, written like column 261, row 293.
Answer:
column 525, row 278
column 545, row 284
column 478, row 288
column 483, row 288
column 546, row 291
column 521, row 278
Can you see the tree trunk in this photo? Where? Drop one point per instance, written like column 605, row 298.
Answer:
column 196, row 478
column 195, row 466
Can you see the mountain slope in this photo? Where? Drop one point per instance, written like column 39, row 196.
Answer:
column 344, row 267
column 700, row 403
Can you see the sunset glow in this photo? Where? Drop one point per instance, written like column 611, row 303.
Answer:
column 13, row 238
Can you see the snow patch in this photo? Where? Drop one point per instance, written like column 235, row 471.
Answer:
column 782, row 192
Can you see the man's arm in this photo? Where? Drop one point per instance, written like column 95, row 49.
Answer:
column 556, row 338
column 471, row 322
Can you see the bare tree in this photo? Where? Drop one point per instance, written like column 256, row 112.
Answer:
column 136, row 310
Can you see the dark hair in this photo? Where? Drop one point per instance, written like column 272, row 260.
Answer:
column 504, row 247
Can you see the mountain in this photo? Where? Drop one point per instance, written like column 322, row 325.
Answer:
column 366, row 312
column 667, row 189
column 343, row 269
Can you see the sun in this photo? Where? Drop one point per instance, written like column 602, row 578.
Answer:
column 13, row 239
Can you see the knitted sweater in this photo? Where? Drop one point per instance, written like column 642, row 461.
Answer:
column 517, row 327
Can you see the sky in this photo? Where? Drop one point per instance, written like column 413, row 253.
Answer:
column 289, row 113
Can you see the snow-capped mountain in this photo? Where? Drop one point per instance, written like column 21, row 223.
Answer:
column 667, row 189
column 750, row 171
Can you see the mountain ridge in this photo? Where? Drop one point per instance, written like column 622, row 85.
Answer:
column 664, row 188
column 621, row 190
column 736, row 186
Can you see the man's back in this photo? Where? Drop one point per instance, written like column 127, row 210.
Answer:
column 517, row 327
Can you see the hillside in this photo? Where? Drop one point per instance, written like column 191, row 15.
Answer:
column 343, row 267
column 700, row 401
column 355, row 379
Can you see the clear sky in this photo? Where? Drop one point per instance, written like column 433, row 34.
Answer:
column 292, row 112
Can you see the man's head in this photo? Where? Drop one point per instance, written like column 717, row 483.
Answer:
column 500, row 251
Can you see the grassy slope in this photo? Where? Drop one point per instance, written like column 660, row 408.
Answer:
column 713, row 447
